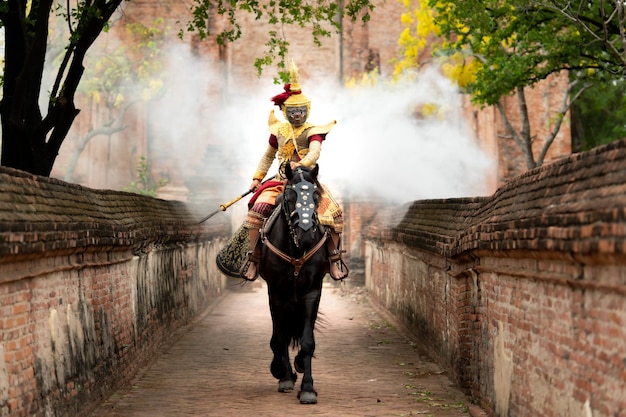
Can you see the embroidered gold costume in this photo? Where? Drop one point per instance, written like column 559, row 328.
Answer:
column 290, row 142
column 294, row 141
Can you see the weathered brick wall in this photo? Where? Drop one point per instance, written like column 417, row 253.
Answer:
column 521, row 296
column 91, row 283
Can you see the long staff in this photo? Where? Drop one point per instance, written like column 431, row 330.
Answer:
column 224, row 206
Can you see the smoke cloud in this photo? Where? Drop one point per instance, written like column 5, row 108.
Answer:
column 378, row 149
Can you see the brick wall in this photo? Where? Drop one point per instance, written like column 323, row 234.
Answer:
column 521, row 296
column 91, row 283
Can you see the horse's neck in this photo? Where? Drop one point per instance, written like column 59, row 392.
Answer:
column 277, row 231
column 269, row 222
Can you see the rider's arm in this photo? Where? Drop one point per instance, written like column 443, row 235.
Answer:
column 315, row 149
column 266, row 161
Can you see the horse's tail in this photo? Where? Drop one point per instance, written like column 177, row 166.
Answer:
column 295, row 323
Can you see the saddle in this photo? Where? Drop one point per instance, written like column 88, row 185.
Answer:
column 268, row 222
column 234, row 254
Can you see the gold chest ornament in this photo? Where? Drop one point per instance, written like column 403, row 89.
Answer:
column 294, row 139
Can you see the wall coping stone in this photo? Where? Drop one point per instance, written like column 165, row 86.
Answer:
column 575, row 205
column 45, row 217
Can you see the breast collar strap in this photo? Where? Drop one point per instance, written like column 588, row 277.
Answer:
column 297, row 263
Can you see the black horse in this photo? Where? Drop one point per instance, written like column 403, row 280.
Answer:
column 293, row 262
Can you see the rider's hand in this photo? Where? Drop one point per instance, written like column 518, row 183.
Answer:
column 294, row 165
column 255, row 184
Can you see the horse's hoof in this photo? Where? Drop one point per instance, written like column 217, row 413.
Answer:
column 285, row 386
column 307, row 397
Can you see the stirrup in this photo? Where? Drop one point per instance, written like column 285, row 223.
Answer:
column 335, row 257
column 252, row 258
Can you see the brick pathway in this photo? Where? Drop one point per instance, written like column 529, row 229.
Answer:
column 219, row 366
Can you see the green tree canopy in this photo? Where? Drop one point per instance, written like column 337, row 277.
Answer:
column 505, row 46
column 599, row 115
column 521, row 42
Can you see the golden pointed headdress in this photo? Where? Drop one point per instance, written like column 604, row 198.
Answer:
column 292, row 96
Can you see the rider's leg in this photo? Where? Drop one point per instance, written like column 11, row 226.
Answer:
column 254, row 221
column 338, row 269
column 251, row 273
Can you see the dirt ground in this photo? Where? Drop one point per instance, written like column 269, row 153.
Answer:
column 219, row 366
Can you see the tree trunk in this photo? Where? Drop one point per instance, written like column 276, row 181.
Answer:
column 25, row 146
column 31, row 142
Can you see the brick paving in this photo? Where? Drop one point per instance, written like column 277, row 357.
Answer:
column 219, row 366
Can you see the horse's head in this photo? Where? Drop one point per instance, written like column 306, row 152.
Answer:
column 300, row 201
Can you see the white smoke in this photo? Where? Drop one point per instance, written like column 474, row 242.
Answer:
column 378, row 149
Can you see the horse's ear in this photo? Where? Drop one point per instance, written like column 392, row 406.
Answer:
column 315, row 170
column 288, row 171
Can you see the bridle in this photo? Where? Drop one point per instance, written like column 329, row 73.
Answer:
column 302, row 215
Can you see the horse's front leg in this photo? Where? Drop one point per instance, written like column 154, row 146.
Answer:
column 303, row 360
column 279, row 343
column 280, row 366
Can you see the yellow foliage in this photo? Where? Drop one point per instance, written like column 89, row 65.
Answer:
column 421, row 33
column 425, row 23
column 155, row 85
column 460, row 69
column 507, row 43
column 419, row 28
column 406, row 19
column 367, row 79
column 430, row 109
column 406, row 39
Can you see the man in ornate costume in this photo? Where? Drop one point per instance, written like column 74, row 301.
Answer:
column 295, row 142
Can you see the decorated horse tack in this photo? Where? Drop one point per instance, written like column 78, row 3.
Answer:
column 302, row 215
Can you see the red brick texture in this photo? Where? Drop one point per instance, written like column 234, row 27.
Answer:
column 91, row 283
column 520, row 295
